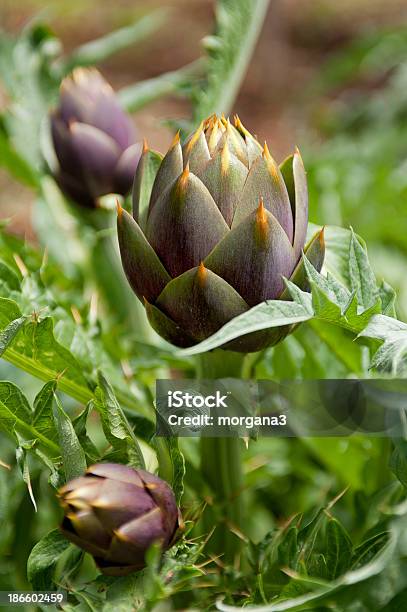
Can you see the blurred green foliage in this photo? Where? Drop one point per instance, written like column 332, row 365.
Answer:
column 357, row 176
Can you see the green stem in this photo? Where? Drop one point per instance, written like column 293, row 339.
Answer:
column 137, row 96
column 242, row 59
column 221, row 465
column 110, row 278
column 220, row 93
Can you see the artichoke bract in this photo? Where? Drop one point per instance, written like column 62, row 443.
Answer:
column 93, row 138
column 116, row 513
column 224, row 225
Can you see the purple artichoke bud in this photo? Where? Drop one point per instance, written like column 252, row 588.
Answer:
column 94, row 139
column 224, row 225
column 116, row 513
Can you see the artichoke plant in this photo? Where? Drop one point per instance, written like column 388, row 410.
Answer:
column 224, row 225
column 116, row 513
column 94, row 140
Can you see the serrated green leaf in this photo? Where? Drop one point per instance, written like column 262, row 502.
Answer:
column 56, row 478
column 307, row 536
column 366, row 552
column 338, row 549
column 267, row 314
column 43, row 418
column 115, row 425
column 36, row 351
column 171, row 463
column 392, row 354
column 336, row 293
column 288, row 549
column 73, row 456
column 238, row 24
column 322, row 593
column 79, row 424
column 22, row 462
column 15, row 419
column 10, row 331
column 316, row 566
column 398, row 461
column 388, row 298
column 43, row 559
column 15, row 400
column 299, row 296
column 324, row 308
column 340, row 342
column 362, row 278
column 337, row 245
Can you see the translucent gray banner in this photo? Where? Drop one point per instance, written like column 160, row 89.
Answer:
column 292, row 408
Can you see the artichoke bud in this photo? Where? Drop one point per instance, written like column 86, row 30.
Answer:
column 94, row 140
column 225, row 225
column 116, row 513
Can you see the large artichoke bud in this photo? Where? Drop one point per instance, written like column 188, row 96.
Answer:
column 115, row 513
column 93, row 138
column 223, row 227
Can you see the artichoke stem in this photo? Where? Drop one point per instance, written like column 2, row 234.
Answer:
column 222, row 467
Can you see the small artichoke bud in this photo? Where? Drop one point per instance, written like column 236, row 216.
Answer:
column 93, row 138
column 224, row 225
column 116, row 513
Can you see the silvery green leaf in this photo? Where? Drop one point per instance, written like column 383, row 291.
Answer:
column 73, row 456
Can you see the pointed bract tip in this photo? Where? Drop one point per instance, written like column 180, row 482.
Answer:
column 194, row 138
column 201, row 273
column 266, row 152
column 183, row 178
column 228, row 125
column 271, row 163
column 210, row 119
column 175, row 140
column 298, row 154
column 209, row 122
column 261, row 210
column 212, row 142
column 225, row 159
column 321, row 236
column 72, row 124
column 145, row 146
column 119, row 210
column 261, row 220
column 81, row 73
column 238, row 123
